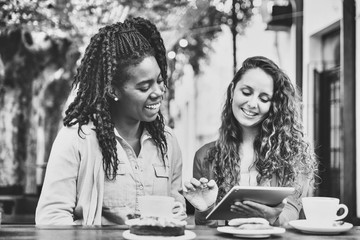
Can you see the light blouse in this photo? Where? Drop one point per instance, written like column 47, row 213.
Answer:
column 145, row 174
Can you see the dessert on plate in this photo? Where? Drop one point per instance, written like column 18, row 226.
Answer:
column 250, row 223
column 156, row 226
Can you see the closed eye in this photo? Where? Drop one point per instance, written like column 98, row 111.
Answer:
column 265, row 99
column 246, row 92
column 144, row 87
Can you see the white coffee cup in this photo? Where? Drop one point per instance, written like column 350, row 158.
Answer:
column 159, row 206
column 323, row 210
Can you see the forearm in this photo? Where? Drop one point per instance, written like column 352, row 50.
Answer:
column 293, row 206
column 290, row 212
column 56, row 205
column 48, row 214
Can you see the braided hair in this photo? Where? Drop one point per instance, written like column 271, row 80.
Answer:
column 109, row 52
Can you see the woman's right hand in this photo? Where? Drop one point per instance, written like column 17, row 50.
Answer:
column 201, row 193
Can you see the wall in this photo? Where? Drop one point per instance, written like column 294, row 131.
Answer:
column 357, row 104
column 315, row 25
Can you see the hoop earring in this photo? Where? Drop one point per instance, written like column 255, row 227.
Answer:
column 231, row 100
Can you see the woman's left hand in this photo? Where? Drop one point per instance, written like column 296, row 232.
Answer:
column 253, row 209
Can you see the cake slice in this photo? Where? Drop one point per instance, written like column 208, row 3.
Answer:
column 156, row 226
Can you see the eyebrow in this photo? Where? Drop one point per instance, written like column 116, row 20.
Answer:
column 149, row 81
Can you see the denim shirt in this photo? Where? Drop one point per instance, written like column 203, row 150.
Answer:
column 145, row 174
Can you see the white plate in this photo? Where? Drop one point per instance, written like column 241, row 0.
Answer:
column 307, row 227
column 187, row 236
column 251, row 233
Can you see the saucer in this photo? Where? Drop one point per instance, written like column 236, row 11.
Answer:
column 187, row 236
column 251, row 233
column 306, row 227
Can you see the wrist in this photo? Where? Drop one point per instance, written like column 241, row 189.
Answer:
column 274, row 221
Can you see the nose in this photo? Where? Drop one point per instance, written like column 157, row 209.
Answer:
column 252, row 102
column 158, row 90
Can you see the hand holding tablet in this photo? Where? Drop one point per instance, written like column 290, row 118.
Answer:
column 242, row 195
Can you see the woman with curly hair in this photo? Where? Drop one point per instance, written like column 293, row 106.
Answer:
column 260, row 143
column 115, row 146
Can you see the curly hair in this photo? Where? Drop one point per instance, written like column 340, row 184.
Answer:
column 280, row 147
column 109, row 52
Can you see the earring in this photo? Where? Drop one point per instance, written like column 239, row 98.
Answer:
column 116, row 99
column 231, row 100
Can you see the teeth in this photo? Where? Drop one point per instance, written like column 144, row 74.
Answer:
column 249, row 113
column 154, row 106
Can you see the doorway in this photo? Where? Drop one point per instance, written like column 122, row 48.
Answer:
column 329, row 132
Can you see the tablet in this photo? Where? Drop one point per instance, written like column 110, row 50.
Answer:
column 270, row 196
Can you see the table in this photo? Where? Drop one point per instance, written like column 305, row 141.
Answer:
column 31, row 232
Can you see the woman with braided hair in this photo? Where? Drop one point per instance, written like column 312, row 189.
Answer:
column 260, row 143
column 114, row 146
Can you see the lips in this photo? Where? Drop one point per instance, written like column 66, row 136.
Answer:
column 249, row 113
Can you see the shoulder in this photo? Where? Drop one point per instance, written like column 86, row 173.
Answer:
column 202, row 152
column 170, row 135
column 169, row 132
column 205, row 148
column 73, row 133
column 66, row 132
column 201, row 166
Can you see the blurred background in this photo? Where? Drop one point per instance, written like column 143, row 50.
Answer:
column 314, row 41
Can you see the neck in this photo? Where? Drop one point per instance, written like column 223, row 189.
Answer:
column 249, row 135
column 129, row 131
column 128, row 128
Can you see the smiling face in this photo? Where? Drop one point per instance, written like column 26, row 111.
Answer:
column 252, row 97
column 141, row 94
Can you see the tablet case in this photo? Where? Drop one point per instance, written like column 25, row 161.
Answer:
column 270, row 196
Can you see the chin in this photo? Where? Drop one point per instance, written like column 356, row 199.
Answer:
column 246, row 122
column 250, row 124
column 149, row 119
